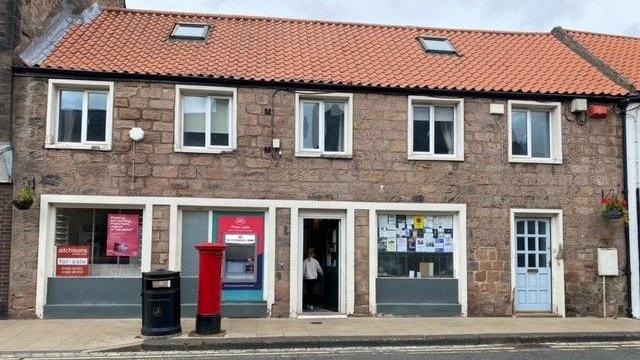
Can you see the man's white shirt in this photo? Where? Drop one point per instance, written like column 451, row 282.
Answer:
column 311, row 268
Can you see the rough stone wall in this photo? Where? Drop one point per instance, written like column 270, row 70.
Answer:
column 280, row 307
column 160, row 229
column 362, row 262
column 379, row 171
column 5, row 245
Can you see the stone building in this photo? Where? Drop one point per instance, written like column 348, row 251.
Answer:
column 20, row 22
column 433, row 172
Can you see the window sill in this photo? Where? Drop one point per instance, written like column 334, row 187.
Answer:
column 420, row 157
column 203, row 151
column 95, row 147
column 324, row 155
column 535, row 161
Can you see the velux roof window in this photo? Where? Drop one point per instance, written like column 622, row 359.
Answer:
column 190, row 31
column 437, row 45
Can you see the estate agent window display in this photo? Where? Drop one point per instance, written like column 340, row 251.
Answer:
column 98, row 242
column 415, row 246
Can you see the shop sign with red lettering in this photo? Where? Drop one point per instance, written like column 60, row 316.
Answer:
column 123, row 235
column 72, row 261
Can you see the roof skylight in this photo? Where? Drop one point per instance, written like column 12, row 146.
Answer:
column 437, row 45
column 190, row 31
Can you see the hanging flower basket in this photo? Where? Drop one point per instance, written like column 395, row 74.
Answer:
column 613, row 214
column 23, row 199
column 22, row 204
column 614, row 206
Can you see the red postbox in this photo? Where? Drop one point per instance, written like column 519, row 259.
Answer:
column 209, row 288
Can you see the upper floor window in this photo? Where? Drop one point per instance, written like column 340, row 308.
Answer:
column 205, row 119
column 323, row 125
column 535, row 132
column 79, row 114
column 435, row 128
column 437, row 45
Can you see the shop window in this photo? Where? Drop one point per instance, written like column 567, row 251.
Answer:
column 435, row 129
column 415, row 246
column 324, row 125
column 79, row 114
column 205, row 119
column 98, row 242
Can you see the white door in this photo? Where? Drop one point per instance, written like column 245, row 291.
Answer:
column 342, row 274
column 533, row 265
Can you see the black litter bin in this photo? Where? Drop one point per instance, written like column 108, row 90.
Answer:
column 161, row 303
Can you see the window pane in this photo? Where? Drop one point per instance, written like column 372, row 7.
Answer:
column 542, row 227
column 531, row 258
column 334, row 126
column 531, row 227
column 542, row 260
column 194, row 118
column 540, row 136
column 192, row 31
column 421, row 128
column 542, row 244
column 519, row 133
column 70, row 120
column 220, row 122
column 97, row 117
column 89, row 229
column 520, row 243
column 531, row 244
column 443, row 142
column 311, row 125
column 521, row 260
column 520, row 227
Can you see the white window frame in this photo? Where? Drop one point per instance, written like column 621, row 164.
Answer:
column 555, row 128
column 53, row 113
column 458, row 128
column 302, row 97
column 211, row 92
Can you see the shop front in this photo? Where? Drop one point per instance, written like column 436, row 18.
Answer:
column 243, row 234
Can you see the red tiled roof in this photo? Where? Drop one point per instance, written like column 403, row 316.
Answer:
column 622, row 53
column 307, row 51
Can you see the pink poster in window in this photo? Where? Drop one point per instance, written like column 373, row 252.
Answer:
column 123, row 235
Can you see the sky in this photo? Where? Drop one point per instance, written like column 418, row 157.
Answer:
column 607, row 16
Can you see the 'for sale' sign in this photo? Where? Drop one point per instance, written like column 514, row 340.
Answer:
column 72, row 261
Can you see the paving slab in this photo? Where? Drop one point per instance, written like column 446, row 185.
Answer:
column 105, row 334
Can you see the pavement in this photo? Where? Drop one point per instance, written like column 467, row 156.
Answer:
column 98, row 335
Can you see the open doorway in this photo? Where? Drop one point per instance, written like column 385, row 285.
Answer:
column 321, row 265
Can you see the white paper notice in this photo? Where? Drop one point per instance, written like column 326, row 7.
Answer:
column 402, row 245
column 391, row 244
column 421, row 245
column 446, row 222
column 448, row 243
column 430, row 245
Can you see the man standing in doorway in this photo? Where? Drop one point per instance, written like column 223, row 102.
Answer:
column 312, row 270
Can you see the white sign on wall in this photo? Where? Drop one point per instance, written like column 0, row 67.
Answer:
column 608, row 262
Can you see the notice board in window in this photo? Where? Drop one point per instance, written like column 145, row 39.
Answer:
column 123, row 233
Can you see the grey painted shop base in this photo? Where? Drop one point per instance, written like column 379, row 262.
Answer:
column 417, row 297
column 112, row 298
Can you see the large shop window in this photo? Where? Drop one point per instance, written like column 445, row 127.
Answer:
column 415, row 246
column 205, row 119
column 535, row 132
column 435, row 129
column 79, row 114
column 324, row 125
column 98, row 242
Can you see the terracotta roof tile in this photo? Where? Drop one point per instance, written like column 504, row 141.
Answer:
column 622, row 53
column 320, row 52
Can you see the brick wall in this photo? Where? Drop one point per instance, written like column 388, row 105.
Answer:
column 5, row 245
column 160, row 245
column 379, row 171
column 280, row 307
